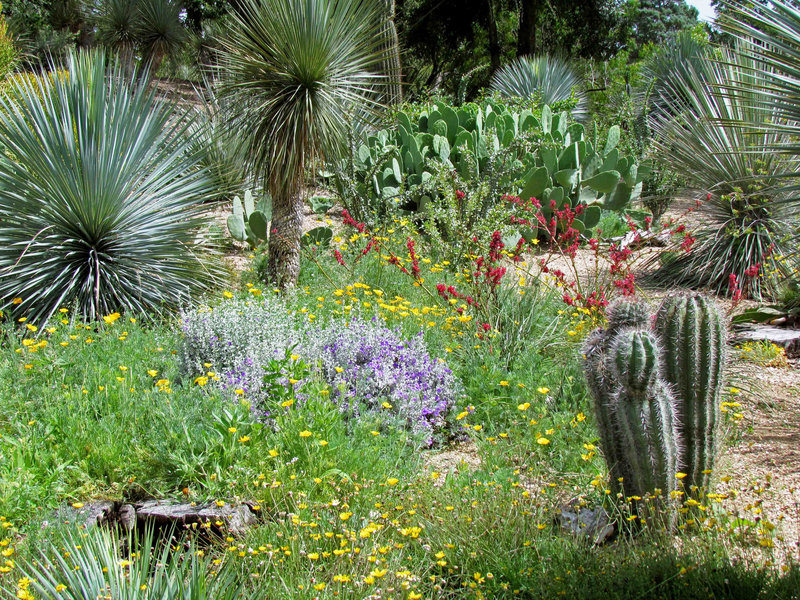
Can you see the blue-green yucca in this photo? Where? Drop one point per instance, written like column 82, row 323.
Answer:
column 100, row 197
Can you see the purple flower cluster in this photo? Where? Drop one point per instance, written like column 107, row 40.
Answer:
column 369, row 366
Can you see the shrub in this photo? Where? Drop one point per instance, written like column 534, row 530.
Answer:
column 371, row 367
column 552, row 77
column 100, row 199
column 368, row 366
column 236, row 340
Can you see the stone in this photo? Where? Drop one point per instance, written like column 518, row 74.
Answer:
column 591, row 524
column 126, row 517
column 788, row 339
column 95, row 513
column 227, row 519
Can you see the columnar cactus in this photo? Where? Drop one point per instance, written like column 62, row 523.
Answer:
column 656, row 392
column 692, row 337
column 635, row 411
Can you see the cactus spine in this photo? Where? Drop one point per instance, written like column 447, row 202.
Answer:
column 692, row 337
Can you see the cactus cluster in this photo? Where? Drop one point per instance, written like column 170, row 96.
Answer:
column 558, row 164
column 250, row 220
column 656, row 386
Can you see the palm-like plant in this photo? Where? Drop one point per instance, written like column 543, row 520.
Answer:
column 551, row 76
column 118, row 23
column 160, row 32
column 100, row 197
column 295, row 72
column 697, row 130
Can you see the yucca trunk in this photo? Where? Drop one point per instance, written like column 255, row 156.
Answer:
column 284, row 239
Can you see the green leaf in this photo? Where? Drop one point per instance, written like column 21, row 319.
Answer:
column 536, row 180
column 319, row 236
column 259, row 225
column 236, row 227
column 612, row 139
column 568, row 178
column 604, row 182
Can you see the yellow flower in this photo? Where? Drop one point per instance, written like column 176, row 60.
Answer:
column 152, row 372
column 305, row 433
column 227, row 294
column 542, row 390
column 244, row 439
column 319, row 586
column 231, row 429
column 201, row 381
column 111, row 318
column 504, row 383
column 524, row 406
column 60, row 588
column 16, row 301
column 273, row 453
column 680, row 475
column 323, row 442
column 392, row 481
column 542, row 441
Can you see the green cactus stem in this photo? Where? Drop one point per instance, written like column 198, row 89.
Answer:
column 692, row 338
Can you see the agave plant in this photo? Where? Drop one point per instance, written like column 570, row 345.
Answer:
column 78, row 565
column 698, row 133
column 296, row 71
column 551, row 76
column 771, row 34
column 100, row 197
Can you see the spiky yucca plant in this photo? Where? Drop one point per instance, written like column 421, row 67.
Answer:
column 551, row 76
column 698, row 135
column 76, row 564
column 296, row 73
column 100, row 197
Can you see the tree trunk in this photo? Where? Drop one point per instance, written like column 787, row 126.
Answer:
column 494, row 38
column 392, row 66
column 526, row 38
column 283, row 266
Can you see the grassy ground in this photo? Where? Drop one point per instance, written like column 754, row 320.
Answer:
column 355, row 509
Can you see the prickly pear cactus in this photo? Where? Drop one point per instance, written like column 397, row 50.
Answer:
column 692, row 336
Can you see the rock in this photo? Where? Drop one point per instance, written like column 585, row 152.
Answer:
column 126, row 517
column 95, row 513
column 788, row 339
column 227, row 519
column 592, row 524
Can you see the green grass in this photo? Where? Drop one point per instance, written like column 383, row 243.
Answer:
column 355, row 508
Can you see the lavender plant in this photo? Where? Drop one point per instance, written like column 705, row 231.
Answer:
column 370, row 367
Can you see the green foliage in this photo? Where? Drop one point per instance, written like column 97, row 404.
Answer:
column 550, row 78
column 657, row 393
column 101, row 200
column 699, row 132
column 8, row 51
column 130, row 569
column 250, row 220
column 515, row 153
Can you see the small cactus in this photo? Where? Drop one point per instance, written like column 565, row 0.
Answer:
column 249, row 221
